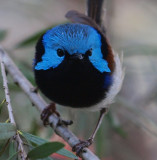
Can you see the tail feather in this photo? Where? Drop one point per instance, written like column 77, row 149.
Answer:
column 94, row 10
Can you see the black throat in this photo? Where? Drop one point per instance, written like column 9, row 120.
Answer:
column 74, row 84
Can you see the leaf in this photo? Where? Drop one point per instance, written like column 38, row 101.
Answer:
column 12, row 150
column 3, row 34
column 4, row 146
column 45, row 150
column 38, row 141
column 32, row 138
column 13, row 156
column 34, row 38
column 67, row 153
column 7, row 130
column 2, row 104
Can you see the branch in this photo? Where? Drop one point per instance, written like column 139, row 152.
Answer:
column 7, row 95
column 40, row 104
column 21, row 150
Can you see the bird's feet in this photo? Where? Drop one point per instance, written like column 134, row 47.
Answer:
column 49, row 110
column 78, row 148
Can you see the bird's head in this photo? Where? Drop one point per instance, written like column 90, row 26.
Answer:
column 73, row 43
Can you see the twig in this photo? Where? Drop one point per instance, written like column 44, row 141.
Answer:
column 7, row 96
column 40, row 104
column 21, row 150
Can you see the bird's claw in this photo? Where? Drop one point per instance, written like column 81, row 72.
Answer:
column 49, row 110
column 78, row 148
column 64, row 122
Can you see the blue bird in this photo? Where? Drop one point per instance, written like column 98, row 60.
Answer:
column 76, row 67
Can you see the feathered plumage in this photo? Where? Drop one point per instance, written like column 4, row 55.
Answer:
column 68, row 82
column 75, row 65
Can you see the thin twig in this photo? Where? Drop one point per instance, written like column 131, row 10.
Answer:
column 40, row 104
column 7, row 96
column 21, row 150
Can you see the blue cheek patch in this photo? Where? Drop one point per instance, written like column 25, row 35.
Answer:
column 50, row 59
column 98, row 62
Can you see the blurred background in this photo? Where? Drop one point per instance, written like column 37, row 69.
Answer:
column 129, row 131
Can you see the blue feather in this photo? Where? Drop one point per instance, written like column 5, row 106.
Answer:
column 108, row 81
column 74, row 38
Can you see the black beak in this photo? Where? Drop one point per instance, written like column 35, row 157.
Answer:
column 77, row 56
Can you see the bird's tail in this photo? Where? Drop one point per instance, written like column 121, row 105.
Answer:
column 95, row 11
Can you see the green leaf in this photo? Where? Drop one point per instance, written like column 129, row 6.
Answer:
column 34, row 38
column 13, row 156
column 45, row 150
column 7, row 130
column 2, row 104
column 4, row 147
column 3, row 34
column 12, row 150
column 67, row 153
column 38, row 141
column 32, row 138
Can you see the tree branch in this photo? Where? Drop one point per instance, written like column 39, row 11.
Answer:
column 21, row 150
column 40, row 104
column 7, row 95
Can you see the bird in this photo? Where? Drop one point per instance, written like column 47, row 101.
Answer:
column 75, row 66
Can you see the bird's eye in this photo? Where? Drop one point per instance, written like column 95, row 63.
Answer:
column 89, row 52
column 60, row 52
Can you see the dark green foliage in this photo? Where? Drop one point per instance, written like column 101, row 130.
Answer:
column 36, row 141
column 12, row 151
column 7, row 130
column 45, row 150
